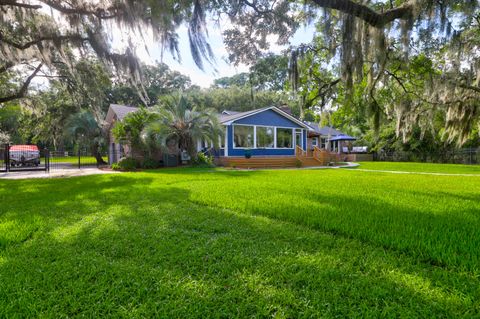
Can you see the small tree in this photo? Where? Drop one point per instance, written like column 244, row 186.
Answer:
column 177, row 121
column 130, row 130
column 84, row 129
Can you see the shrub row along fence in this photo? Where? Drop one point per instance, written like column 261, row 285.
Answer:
column 462, row 156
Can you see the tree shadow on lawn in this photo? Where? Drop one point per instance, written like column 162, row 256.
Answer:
column 441, row 238
column 156, row 254
column 30, row 205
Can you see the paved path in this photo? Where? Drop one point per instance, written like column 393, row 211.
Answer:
column 420, row 173
column 56, row 173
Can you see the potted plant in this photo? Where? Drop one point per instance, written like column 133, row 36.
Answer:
column 248, row 153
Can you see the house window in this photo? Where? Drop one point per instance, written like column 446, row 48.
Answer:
column 284, row 138
column 242, row 136
column 265, row 137
column 323, row 143
column 205, row 144
column 222, row 137
column 314, row 141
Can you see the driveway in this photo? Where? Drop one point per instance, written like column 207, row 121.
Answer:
column 67, row 172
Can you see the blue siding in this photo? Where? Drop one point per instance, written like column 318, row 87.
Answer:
column 262, row 152
column 268, row 117
column 218, row 152
column 304, row 146
column 230, row 140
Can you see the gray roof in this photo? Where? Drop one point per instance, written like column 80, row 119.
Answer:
column 228, row 112
column 343, row 137
column 228, row 118
column 235, row 115
column 325, row 130
column 122, row 110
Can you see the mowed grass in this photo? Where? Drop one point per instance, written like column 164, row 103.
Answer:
column 74, row 159
column 422, row 167
column 206, row 243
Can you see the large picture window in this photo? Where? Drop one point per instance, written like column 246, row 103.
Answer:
column 242, row 136
column 284, row 138
column 265, row 137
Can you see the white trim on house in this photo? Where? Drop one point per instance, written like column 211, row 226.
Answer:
column 274, row 137
column 273, row 108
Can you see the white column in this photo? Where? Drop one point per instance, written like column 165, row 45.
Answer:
column 225, row 150
column 254, row 136
column 274, row 137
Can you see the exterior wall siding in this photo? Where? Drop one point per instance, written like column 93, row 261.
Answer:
column 266, row 118
column 304, row 145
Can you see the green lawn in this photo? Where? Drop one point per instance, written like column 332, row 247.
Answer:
column 422, row 167
column 205, row 243
column 74, row 159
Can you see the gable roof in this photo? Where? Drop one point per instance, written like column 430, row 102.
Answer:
column 228, row 112
column 325, row 130
column 228, row 119
column 120, row 111
column 343, row 137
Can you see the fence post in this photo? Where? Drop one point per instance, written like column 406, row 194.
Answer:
column 7, row 157
column 78, row 157
column 47, row 160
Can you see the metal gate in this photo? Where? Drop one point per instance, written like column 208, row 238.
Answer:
column 3, row 158
column 20, row 158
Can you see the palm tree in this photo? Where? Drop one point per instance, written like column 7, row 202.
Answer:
column 178, row 122
column 83, row 128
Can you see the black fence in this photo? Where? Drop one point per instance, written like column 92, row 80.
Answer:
column 18, row 158
column 469, row 156
column 76, row 159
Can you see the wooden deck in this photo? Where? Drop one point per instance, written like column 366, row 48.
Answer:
column 301, row 159
column 258, row 162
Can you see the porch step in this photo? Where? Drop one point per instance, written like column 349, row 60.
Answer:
column 310, row 161
column 258, row 162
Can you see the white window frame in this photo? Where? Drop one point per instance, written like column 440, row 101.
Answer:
column 293, row 129
column 225, row 140
column 298, row 131
column 293, row 138
column 233, row 136
column 274, row 137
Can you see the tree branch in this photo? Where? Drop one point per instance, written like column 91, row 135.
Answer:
column 14, row 3
column 365, row 13
column 26, row 45
column 99, row 12
column 6, row 66
column 24, row 88
column 470, row 87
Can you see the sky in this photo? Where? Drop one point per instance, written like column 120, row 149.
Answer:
column 187, row 66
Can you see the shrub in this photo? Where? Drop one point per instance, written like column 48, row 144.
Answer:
column 150, row 163
column 203, row 160
column 298, row 163
column 126, row 164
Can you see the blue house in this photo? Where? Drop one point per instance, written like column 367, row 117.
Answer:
column 265, row 132
column 273, row 138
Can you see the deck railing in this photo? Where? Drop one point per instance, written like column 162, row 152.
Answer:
column 324, row 156
column 299, row 152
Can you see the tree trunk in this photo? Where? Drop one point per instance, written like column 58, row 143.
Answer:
column 97, row 155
